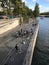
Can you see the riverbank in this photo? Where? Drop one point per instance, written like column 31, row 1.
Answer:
column 8, row 43
column 30, row 51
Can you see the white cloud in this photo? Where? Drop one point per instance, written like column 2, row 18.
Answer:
column 43, row 8
column 35, row 0
column 26, row 2
column 47, row 0
column 40, row 6
column 23, row 0
column 32, row 8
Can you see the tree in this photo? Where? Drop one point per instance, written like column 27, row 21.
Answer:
column 6, row 4
column 17, row 8
column 36, row 10
column 30, row 13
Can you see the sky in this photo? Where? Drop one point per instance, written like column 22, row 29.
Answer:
column 43, row 4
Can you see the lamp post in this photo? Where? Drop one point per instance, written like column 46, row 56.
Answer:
column 21, row 18
column 12, row 8
column 21, row 8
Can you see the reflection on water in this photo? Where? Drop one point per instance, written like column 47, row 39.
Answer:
column 41, row 53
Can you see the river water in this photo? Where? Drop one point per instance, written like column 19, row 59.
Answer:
column 41, row 53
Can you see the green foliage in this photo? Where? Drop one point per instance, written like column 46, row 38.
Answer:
column 2, row 13
column 26, row 19
column 7, row 10
column 17, row 9
column 2, row 4
column 30, row 13
column 20, row 9
column 44, row 13
column 36, row 10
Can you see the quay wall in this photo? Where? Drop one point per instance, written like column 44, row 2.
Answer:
column 8, row 24
column 30, row 51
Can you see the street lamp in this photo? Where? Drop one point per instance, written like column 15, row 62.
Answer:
column 21, row 8
column 21, row 18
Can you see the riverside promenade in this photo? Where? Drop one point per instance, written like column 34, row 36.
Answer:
column 23, row 56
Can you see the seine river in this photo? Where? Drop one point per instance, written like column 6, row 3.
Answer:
column 41, row 53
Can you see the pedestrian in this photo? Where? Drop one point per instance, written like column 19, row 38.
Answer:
column 32, row 31
column 16, row 47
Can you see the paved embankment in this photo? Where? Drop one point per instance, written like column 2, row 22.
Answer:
column 30, row 51
column 7, row 45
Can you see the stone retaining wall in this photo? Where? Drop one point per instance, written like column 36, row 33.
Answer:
column 30, row 51
column 8, row 24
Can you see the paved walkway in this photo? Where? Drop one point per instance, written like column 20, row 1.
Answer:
column 7, row 42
